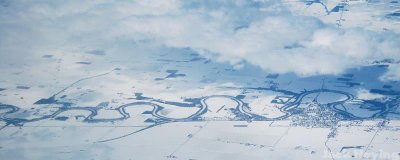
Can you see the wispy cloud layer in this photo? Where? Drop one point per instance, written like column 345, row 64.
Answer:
column 262, row 33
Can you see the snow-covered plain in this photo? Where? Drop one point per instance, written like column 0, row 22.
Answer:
column 146, row 98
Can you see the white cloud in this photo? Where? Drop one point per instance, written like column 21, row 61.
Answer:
column 262, row 33
column 393, row 73
column 366, row 95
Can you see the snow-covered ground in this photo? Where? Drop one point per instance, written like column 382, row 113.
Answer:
column 111, row 89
